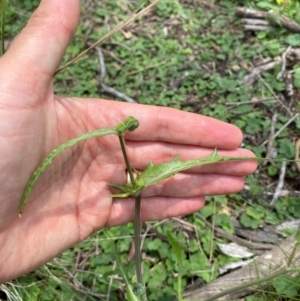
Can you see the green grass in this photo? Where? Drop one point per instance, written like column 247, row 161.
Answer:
column 191, row 56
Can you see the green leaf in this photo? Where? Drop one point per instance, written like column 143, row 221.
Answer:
column 154, row 244
column 297, row 78
column 272, row 170
column 271, row 218
column 249, row 222
column 223, row 221
column 33, row 294
column 129, row 124
column 198, row 263
column 158, row 276
column 286, row 286
column 176, row 248
column 297, row 235
column 286, row 149
column 257, row 212
column 293, row 39
column 264, row 5
column 155, row 173
column 207, row 210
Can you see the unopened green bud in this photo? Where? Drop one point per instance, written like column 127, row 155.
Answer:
column 130, row 124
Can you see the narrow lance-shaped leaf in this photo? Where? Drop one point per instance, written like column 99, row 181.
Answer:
column 129, row 124
column 155, row 173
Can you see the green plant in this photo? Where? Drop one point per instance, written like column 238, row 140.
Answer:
column 2, row 24
column 170, row 55
column 153, row 174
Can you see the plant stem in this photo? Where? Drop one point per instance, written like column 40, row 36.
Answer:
column 130, row 294
column 137, row 242
column 2, row 7
column 137, row 220
column 179, row 285
column 129, row 170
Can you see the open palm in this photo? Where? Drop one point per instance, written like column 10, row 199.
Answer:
column 72, row 199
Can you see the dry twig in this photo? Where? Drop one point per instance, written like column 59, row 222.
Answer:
column 280, row 183
column 253, row 101
column 256, row 24
column 283, row 66
column 105, row 87
column 251, row 78
column 274, row 19
column 265, row 265
column 271, row 138
column 120, row 26
column 291, row 57
column 275, row 96
column 256, row 247
column 282, row 128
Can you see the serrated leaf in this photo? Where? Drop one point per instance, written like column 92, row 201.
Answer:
column 155, row 173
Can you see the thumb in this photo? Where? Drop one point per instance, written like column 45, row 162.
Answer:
column 38, row 49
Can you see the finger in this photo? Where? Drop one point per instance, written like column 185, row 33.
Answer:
column 156, row 208
column 141, row 153
column 169, row 125
column 185, row 185
column 40, row 46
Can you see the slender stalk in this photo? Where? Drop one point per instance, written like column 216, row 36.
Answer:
column 2, row 26
column 123, row 147
column 130, row 294
column 179, row 287
column 137, row 240
column 109, row 34
column 137, row 220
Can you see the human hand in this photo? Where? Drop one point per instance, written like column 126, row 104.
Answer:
column 72, row 199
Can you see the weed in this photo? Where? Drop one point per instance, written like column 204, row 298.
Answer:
column 210, row 45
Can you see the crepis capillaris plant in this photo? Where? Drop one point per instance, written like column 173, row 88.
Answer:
column 153, row 174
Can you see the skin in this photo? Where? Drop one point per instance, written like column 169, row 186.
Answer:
column 71, row 200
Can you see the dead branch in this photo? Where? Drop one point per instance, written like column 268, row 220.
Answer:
column 282, row 128
column 274, row 19
column 280, row 183
column 104, row 86
column 282, row 71
column 257, row 71
column 262, row 266
column 251, row 27
column 256, row 24
column 256, row 247
column 271, row 139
